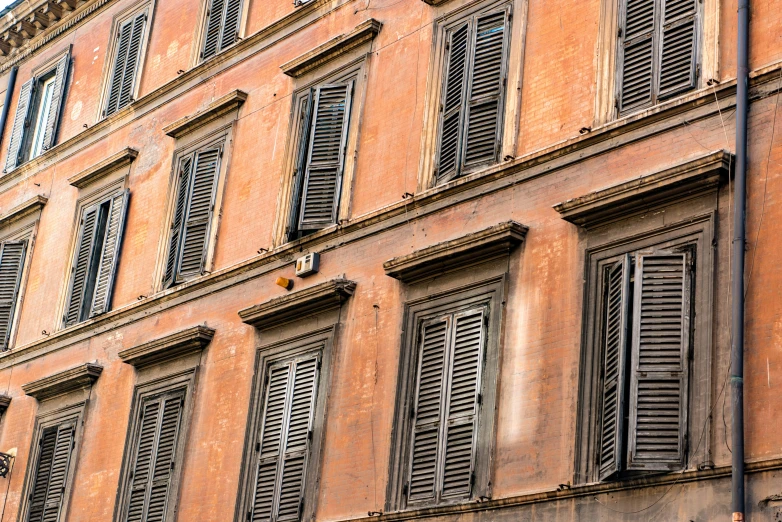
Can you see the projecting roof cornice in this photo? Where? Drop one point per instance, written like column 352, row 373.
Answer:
column 106, row 166
column 63, row 382
column 220, row 107
column 178, row 344
column 685, row 180
column 34, row 204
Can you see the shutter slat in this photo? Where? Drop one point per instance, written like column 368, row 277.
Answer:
column 81, row 265
column 18, row 127
column 12, row 254
column 145, row 447
column 679, row 40
column 233, row 11
column 120, row 59
column 164, row 459
column 43, row 471
column 55, row 106
column 637, row 49
column 51, row 476
column 455, row 82
column 131, row 64
column 214, row 23
column 180, row 207
column 104, row 283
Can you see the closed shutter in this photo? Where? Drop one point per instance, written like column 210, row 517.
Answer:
column 55, row 106
column 452, row 108
column 12, row 254
column 326, row 156
column 126, row 61
column 180, row 207
column 80, row 270
column 617, row 303
column 284, row 442
column 109, row 256
column 230, row 32
column 638, row 42
column 222, row 26
column 19, row 126
column 661, row 342
column 51, row 473
column 679, row 47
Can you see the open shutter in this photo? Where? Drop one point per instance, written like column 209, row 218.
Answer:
column 165, row 453
column 679, row 46
column 180, row 206
column 301, row 162
column 109, row 257
column 123, row 77
column 452, row 108
column 12, row 255
column 325, row 161
column 55, row 106
column 487, row 85
column 20, row 124
column 617, row 308
column 661, row 340
column 81, row 265
column 637, row 46
column 233, row 11
column 214, row 24
column 51, row 474
column 144, row 452
column 195, row 232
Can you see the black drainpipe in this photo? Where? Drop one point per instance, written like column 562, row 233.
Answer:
column 9, row 92
column 737, row 275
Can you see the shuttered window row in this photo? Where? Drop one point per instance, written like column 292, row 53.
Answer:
column 658, row 51
column 52, row 472
column 222, row 26
column 96, row 258
column 646, row 348
column 127, row 58
column 473, row 94
column 12, row 256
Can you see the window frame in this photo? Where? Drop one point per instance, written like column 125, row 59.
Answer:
column 200, row 40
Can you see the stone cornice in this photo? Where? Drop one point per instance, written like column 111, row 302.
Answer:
column 337, row 46
column 219, row 107
column 178, row 344
column 5, row 401
column 653, row 190
column 106, row 166
column 462, row 252
column 63, row 382
column 309, row 301
column 34, row 204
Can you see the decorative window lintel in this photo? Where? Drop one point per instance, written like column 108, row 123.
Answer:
column 63, row 382
column 178, row 344
column 99, row 170
column 219, row 107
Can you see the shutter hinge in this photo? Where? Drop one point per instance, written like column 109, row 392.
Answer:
column 619, row 32
column 480, row 399
column 485, row 319
column 412, row 412
column 472, row 479
column 698, row 71
column 405, row 487
column 318, row 366
column 172, row 464
column 504, row 82
column 257, row 446
column 249, row 515
column 616, row 102
column 309, row 435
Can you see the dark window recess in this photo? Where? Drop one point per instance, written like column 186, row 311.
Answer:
column 12, row 254
column 658, row 51
column 646, row 343
column 96, row 258
column 323, row 134
column 222, row 26
column 283, row 446
column 196, row 183
column 37, row 115
column 153, row 460
column 52, row 472
column 473, row 94
column 126, row 62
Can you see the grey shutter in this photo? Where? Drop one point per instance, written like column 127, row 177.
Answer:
column 301, row 162
column 120, row 59
column 658, row 383
column 487, row 86
column 126, row 60
column 637, row 49
column 55, row 107
column 195, row 233
column 679, row 47
column 81, row 265
column 143, row 457
column 230, row 33
column 214, row 24
column 615, row 330
column 180, row 206
column 109, row 256
column 284, row 442
column 12, row 254
column 326, row 157
column 51, row 474
column 165, row 453
column 452, row 108
column 19, row 126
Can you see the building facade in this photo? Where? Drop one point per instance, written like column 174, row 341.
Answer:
column 383, row 260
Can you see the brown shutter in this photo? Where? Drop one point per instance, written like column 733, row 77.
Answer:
column 230, row 33
column 12, row 254
column 123, row 77
column 81, row 265
column 55, row 106
column 214, row 24
column 51, row 473
column 19, row 126
column 615, row 329
column 180, row 207
column 679, row 46
column 658, row 383
column 284, row 442
column 109, row 256
column 325, row 161
column 637, row 49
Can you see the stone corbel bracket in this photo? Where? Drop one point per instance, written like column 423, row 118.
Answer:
column 337, row 46
column 100, row 169
column 63, row 382
column 456, row 254
column 309, row 301
column 688, row 179
column 179, row 344
column 34, row 204
column 218, row 108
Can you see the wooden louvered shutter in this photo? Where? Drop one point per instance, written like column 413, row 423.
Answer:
column 19, row 126
column 12, row 254
column 180, row 207
column 195, row 232
column 483, row 120
column 637, row 48
column 305, row 110
column 326, row 156
column 55, row 106
column 109, row 256
column 128, row 50
column 230, row 32
column 214, row 24
column 452, row 108
column 659, row 371
column 679, row 46
column 615, row 330
column 51, row 474
column 284, row 442
column 81, row 265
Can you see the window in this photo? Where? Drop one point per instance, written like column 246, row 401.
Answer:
column 12, row 256
column 222, row 26
column 126, row 62
column 193, row 207
column 37, row 115
column 96, row 258
column 474, row 79
column 658, row 55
